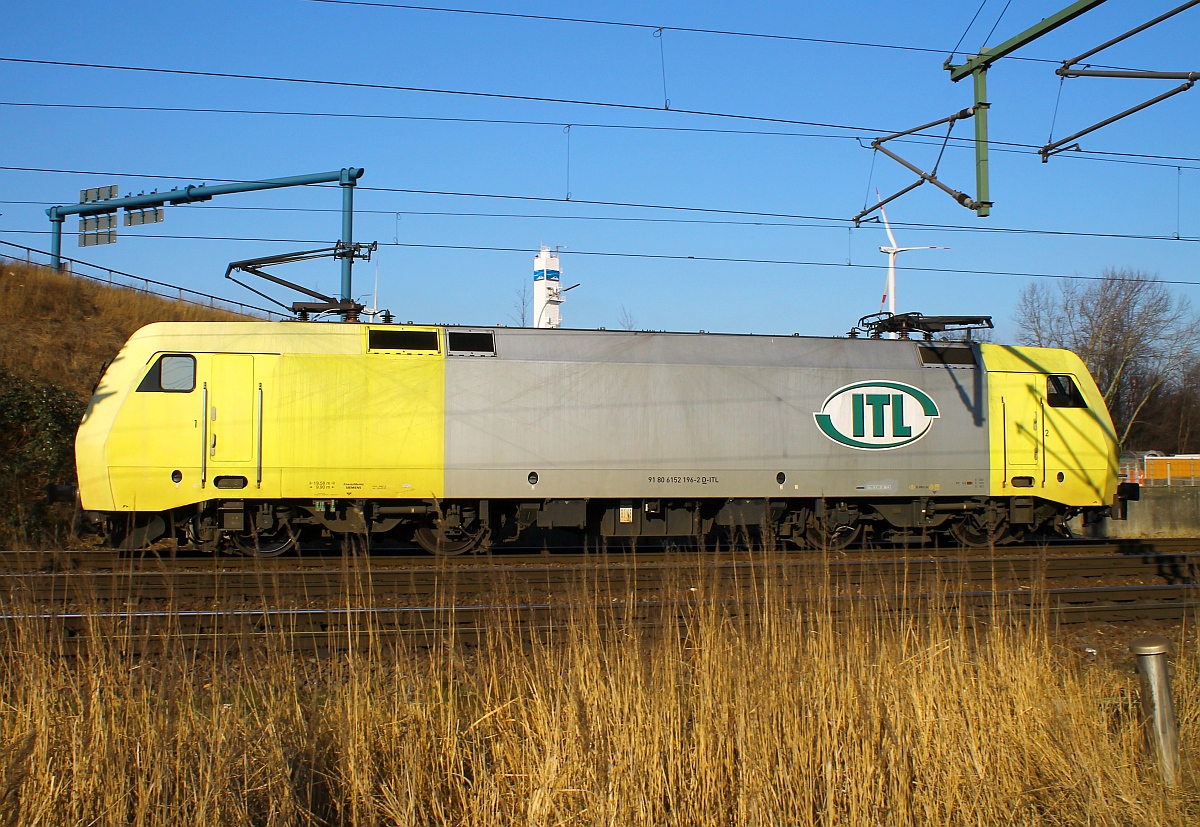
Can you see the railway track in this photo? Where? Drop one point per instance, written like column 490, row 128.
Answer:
column 104, row 560
column 330, row 629
column 331, row 603
column 399, row 580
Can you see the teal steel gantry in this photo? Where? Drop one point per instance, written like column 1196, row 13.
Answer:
column 347, row 178
column 977, row 68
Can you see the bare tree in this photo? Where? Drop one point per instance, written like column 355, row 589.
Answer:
column 628, row 322
column 1170, row 422
column 524, row 297
column 1133, row 335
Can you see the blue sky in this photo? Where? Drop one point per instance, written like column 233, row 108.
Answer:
column 828, row 176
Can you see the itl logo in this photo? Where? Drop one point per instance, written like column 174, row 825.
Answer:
column 876, row 416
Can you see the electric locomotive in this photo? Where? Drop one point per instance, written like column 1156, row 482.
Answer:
column 254, row 436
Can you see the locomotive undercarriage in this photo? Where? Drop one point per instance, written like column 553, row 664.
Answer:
column 268, row 529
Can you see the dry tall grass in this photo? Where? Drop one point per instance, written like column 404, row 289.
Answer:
column 794, row 716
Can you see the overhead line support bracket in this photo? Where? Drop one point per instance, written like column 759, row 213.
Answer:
column 1067, row 70
column 977, row 66
column 1068, row 143
column 922, row 176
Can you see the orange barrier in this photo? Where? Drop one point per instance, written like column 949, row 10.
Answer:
column 1176, row 470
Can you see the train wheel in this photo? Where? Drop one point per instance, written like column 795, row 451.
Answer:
column 831, row 537
column 973, row 532
column 448, row 542
column 260, row 545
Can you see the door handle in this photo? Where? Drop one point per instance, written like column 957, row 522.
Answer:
column 213, row 449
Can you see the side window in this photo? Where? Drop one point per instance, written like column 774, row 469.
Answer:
column 402, row 340
column 172, row 373
column 470, row 343
column 1062, row 392
column 950, row 356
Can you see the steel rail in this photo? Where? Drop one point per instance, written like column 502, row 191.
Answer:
column 1052, row 598
column 538, row 567
column 519, row 556
column 409, row 587
column 359, row 627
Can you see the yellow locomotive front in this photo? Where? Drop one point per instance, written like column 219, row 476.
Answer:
column 1051, row 435
column 194, row 412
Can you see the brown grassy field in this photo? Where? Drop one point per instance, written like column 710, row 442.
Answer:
column 60, row 330
column 793, row 716
column 56, row 334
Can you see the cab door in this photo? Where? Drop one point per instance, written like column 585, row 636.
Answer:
column 232, row 419
column 1016, row 400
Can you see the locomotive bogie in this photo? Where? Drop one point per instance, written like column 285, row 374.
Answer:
column 268, row 527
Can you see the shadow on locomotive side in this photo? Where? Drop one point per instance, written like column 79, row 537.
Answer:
column 254, row 437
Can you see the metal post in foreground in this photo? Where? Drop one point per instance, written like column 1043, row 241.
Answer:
column 1158, row 707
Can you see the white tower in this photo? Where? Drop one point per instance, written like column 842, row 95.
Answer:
column 889, row 288
column 547, row 289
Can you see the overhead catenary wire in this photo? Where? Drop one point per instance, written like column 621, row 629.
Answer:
column 816, row 222
column 567, row 130
column 825, row 41
column 995, row 25
column 547, row 18
column 662, row 59
column 1178, row 198
column 653, row 256
column 870, row 178
column 826, row 221
column 829, row 220
column 388, row 87
column 918, row 138
column 1054, row 117
column 967, row 30
column 431, row 118
column 655, row 207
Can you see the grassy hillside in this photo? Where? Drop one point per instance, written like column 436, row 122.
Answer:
column 56, row 334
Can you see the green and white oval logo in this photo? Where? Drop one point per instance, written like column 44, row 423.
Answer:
column 877, row 416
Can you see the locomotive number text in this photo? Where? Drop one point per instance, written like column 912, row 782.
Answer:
column 682, row 480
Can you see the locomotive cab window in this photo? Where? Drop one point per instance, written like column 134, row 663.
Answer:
column 470, row 343
column 170, row 373
column 410, row 340
column 949, row 356
column 1062, row 392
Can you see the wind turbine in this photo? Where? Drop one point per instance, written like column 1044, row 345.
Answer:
column 889, row 289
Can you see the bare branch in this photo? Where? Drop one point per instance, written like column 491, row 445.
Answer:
column 628, row 322
column 1135, row 337
column 524, row 297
